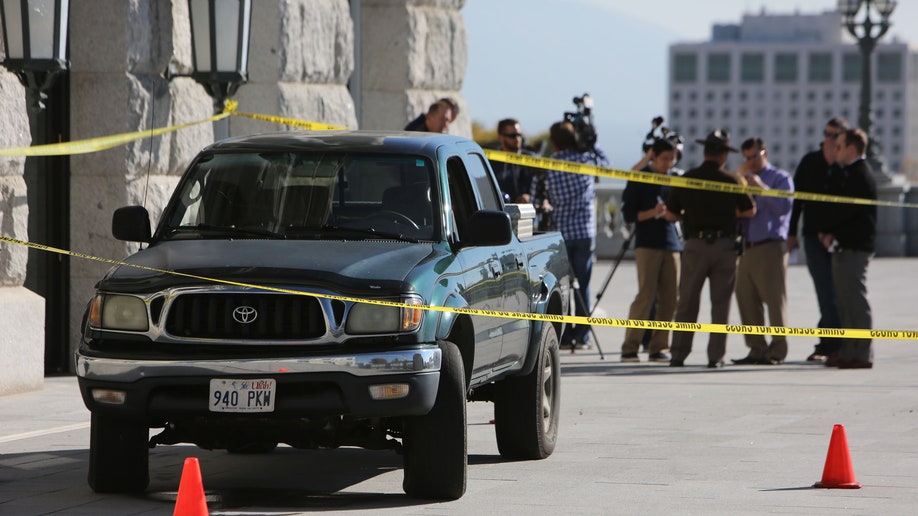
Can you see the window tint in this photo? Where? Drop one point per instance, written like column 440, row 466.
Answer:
column 487, row 189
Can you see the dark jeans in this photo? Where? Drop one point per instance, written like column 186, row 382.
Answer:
column 580, row 254
column 819, row 263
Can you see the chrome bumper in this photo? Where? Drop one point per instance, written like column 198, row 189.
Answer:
column 421, row 360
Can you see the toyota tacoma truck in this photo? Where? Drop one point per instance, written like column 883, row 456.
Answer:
column 285, row 297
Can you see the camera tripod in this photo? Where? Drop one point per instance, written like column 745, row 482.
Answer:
column 618, row 260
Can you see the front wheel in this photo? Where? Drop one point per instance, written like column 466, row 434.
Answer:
column 436, row 454
column 119, row 454
column 527, row 408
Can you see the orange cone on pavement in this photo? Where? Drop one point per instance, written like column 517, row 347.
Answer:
column 190, row 500
column 838, row 472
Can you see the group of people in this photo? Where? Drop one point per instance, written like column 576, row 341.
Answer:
column 737, row 242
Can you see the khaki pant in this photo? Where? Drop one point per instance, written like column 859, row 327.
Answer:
column 761, row 280
column 702, row 261
column 658, row 277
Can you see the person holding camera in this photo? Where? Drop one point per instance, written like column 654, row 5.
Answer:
column 573, row 199
column 762, row 269
column 657, row 251
column 709, row 227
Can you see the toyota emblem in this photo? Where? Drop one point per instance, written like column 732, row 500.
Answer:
column 245, row 314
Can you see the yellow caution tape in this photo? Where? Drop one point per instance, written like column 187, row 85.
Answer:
column 676, row 181
column 572, row 319
column 303, row 124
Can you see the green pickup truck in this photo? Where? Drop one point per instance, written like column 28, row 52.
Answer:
column 240, row 325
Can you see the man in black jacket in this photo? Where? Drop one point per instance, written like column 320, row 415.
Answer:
column 850, row 235
column 812, row 175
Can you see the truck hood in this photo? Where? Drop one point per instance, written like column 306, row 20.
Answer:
column 357, row 266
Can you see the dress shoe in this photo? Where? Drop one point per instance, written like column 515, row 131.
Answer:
column 775, row 361
column 630, row 357
column 676, row 363
column 751, row 361
column 855, row 364
column 659, row 356
column 715, row 365
column 832, row 359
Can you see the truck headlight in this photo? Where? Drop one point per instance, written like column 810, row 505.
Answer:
column 365, row 318
column 115, row 312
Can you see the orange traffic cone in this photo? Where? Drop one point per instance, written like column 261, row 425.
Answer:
column 190, row 500
column 838, row 472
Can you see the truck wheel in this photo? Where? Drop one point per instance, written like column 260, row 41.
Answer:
column 435, row 444
column 527, row 408
column 118, row 455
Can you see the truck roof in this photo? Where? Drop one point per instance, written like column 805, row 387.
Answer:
column 396, row 142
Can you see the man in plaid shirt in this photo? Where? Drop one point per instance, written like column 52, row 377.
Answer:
column 572, row 196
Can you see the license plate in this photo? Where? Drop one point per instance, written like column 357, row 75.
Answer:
column 235, row 395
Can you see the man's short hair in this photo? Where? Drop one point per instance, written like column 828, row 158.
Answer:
column 563, row 136
column 755, row 141
column 661, row 145
column 437, row 107
column 507, row 122
column 839, row 123
column 856, row 137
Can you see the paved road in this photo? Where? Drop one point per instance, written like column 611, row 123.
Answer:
column 635, row 438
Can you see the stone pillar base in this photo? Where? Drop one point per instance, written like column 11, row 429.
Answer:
column 22, row 341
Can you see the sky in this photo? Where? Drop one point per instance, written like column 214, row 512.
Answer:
column 528, row 59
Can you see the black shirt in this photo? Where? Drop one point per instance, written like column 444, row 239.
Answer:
column 813, row 176
column 853, row 225
column 650, row 233
column 705, row 209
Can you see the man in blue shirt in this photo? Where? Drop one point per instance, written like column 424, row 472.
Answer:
column 656, row 254
column 573, row 198
column 762, row 269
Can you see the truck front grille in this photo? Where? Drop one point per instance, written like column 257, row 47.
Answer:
column 245, row 316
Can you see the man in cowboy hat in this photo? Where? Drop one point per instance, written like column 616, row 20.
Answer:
column 709, row 227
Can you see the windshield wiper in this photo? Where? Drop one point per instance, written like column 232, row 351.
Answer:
column 230, row 230
column 373, row 232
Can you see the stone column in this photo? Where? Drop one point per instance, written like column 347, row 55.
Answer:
column 412, row 53
column 300, row 59
column 119, row 53
column 22, row 312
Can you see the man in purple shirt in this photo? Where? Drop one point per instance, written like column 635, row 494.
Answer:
column 760, row 275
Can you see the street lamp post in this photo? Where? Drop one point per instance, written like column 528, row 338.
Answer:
column 220, row 49
column 868, row 33
column 35, row 39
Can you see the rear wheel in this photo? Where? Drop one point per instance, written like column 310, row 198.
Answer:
column 118, row 455
column 435, row 444
column 527, row 408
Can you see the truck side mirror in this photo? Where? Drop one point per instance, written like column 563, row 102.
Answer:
column 132, row 224
column 488, row 228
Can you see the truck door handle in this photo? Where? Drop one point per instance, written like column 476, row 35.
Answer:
column 519, row 262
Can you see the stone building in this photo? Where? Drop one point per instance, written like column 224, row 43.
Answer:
column 369, row 64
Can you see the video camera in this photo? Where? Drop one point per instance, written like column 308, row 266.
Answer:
column 582, row 121
column 659, row 131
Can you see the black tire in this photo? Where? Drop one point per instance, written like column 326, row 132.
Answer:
column 436, row 454
column 527, row 408
column 119, row 455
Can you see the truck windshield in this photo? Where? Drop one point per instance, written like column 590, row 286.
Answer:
column 305, row 196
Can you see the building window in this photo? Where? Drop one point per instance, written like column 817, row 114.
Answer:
column 709, row 113
column 820, row 69
column 889, row 66
column 897, row 113
column 794, row 95
column 881, row 95
column 726, row 95
column 725, row 113
column 693, row 96
column 742, row 113
column 827, row 95
column 896, row 130
column 709, row 96
column 718, row 67
column 685, row 68
column 677, row 113
column 743, row 96
column 785, row 67
column 846, row 95
column 752, row 68
column 851, row 67
column 677, row 95
column 811, row 96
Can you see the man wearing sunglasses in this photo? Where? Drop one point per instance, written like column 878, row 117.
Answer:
column 514, row 180
column 812, row 175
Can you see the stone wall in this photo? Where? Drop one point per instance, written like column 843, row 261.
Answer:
column 22, row 312
column 412, row 53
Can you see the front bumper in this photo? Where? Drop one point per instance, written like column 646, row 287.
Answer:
column 315, row 386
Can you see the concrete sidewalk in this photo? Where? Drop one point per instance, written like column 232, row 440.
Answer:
column 635, row 438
